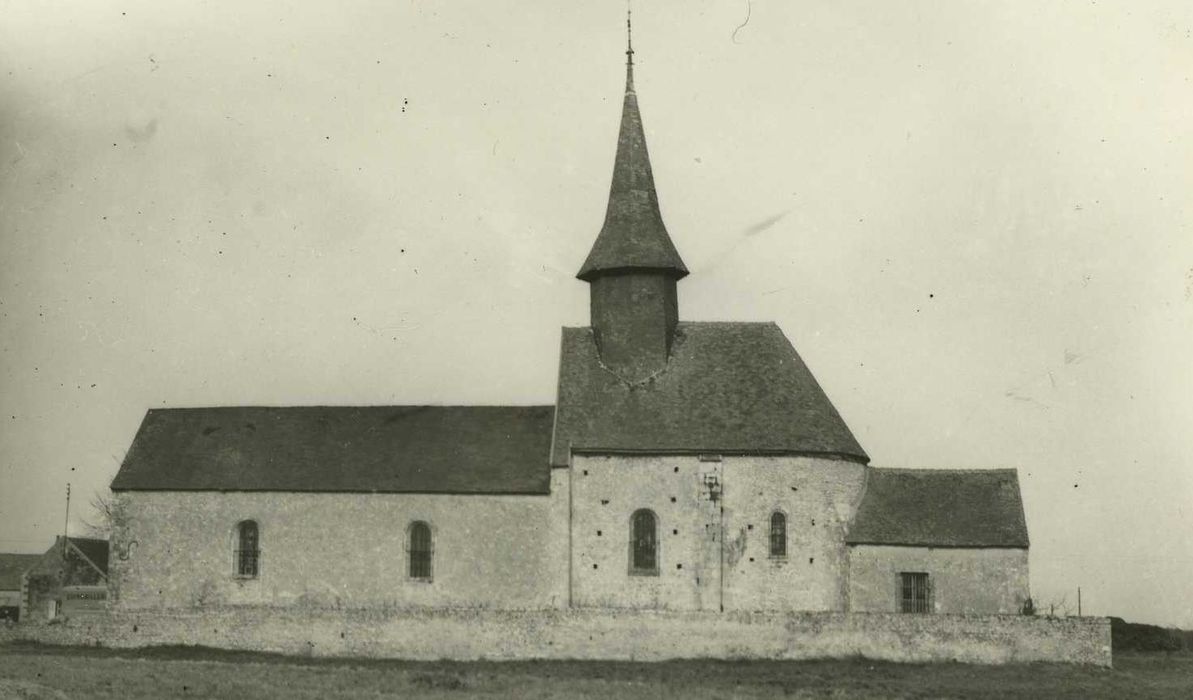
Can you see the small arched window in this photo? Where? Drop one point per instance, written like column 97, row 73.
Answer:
column 644, row 549
column 778, row 534
column 248, row 549
column 420, row 551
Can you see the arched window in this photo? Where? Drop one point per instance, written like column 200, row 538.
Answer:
column 248, row 549
column 778, row 534
column 420, row 551
column 644, row 549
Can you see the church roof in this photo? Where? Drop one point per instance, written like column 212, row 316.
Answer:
column 633, row 236
column 940, row 508
column 727, row 388
column 390, row 449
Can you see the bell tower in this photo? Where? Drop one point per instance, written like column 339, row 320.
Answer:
column 633, row 267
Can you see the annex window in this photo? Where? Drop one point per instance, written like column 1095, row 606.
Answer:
column 420, row 551
column 248, row 549
column 778, row 535
column 915, row 593
column 644, row 548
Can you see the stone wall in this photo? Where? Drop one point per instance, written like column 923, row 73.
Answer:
column 819, row 498
column 713, row 554
column 175, row 550
column 597, row 634
column 964, row 581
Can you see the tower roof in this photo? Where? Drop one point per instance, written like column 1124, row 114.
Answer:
column 633, row 236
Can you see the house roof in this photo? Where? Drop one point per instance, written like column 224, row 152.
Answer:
column 940, row 508
column 633, row 236
column 91, row 551
column 96, row 550
column 12, row 566
column 727, row 388
column 392, row 449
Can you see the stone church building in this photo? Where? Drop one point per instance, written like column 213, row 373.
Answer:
column 684, row 466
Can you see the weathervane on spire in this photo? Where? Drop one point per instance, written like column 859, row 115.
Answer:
column 629, row 35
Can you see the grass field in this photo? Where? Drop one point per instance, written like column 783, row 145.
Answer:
column 34, row 671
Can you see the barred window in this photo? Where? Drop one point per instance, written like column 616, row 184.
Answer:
column 915, row 593
column 644, row 543
column 248, row 549
column 420, row 551
column 778, row 534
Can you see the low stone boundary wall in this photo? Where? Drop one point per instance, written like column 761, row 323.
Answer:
column 596, row 634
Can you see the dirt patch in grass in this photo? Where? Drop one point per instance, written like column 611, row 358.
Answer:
column 197, row 672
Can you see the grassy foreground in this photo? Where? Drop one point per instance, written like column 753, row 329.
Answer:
column 35, row 671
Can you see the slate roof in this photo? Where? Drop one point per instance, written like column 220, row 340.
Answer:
column 940, row 508
column 633, row 236
column 392, row 449
column 12, row 566
column 727, row 388
column 94, row 549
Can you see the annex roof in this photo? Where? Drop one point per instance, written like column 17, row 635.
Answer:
column 390, row 449
column 727, row 388
column 12, row 566
column 940, row 508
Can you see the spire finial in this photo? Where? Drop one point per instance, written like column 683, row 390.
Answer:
column 629, row 35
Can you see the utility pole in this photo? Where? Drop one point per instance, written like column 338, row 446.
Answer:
column 1079, row 601
column 66, row 523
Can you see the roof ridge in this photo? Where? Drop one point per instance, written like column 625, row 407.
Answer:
column 72, row 538
column 689, row 324
column 948, row 470
column 729, row 323
column 339, row 406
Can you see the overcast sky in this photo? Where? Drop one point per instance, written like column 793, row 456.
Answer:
column 971, row 219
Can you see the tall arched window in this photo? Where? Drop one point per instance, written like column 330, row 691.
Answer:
column 644, row 548
column 248, row 549
column 778, row 534
column 420, row 551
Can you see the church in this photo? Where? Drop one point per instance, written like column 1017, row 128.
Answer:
column 685, row 466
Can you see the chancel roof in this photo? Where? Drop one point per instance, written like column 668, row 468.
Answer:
column 388, row 449
column 727, row 388
column 940, row 508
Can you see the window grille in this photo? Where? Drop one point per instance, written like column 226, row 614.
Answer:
column 778, row 534
column 420, row 551
column 915, row 594
column 248, row 550
column 643, row 543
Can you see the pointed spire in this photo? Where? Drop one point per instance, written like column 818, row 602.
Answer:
column 633, row 236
